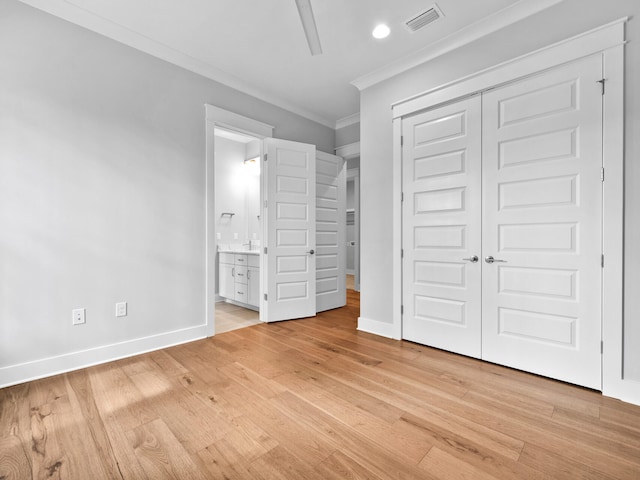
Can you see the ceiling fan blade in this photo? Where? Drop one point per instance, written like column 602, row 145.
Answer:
column 309, row 26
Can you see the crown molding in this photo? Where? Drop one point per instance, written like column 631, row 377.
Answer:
column 346, row 121
column 505, row 17
column 351, row 150
column 121, row 34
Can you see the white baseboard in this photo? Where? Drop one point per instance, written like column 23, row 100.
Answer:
column 46, row 367
column 350, row 271
column 625, row 390
column 376, row 327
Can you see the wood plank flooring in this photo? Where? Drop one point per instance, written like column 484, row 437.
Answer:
column 312, row 399
column 232, row 317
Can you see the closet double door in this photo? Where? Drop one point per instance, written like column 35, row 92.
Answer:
column 502, row 224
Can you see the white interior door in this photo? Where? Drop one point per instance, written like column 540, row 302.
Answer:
column 331, row 186
column 441, row 230
column 289, row 215
column 542, row 156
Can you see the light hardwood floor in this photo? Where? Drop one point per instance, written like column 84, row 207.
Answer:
column 350, row 282
column 312, row 399
column 232, row 317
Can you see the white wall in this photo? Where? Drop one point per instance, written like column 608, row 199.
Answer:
column 564, row 20
column 231, row 191
column 102, row 193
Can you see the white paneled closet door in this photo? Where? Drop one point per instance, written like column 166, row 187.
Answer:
column 542, row 188
column 513, row 177
column 441, row 227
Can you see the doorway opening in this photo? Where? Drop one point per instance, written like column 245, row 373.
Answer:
column 353, row 224
column 238, row 229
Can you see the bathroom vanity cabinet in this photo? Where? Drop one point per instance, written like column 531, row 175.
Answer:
column 239, row 279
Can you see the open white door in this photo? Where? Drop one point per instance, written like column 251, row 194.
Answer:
column 289, row 231
column 331, row 203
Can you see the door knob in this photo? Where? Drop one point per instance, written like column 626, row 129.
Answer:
column 490, row 259
column 311, row 252
column 473, row 259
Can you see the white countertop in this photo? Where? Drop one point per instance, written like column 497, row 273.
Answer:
column 245, row 252
column 238, row 248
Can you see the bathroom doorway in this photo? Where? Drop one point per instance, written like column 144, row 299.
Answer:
column 296, row 226
column 238, row 229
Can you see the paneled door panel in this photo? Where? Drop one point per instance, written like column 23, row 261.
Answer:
column 542, row 213
column 290, row 224
column 441, row 227
column 331, row 203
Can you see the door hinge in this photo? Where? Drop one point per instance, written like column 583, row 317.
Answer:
column 265, row 204
column 602, row 260
column 601, row 346
column 265, row 156
column 402, row 140
column 402, row 253
column 601, row 82
column 402, row 197
column 402, row 309
column 602, row 174
column 265, row 250
column 265, row 297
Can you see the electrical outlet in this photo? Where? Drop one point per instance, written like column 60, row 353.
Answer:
column 78, row 316
column 121, row 309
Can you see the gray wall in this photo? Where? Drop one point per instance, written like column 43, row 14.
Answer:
column 102, row 193
column 564, row 20
column 347, row 135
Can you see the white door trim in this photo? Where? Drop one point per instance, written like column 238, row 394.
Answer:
column 597, row 40
column 218, row 117
column 607, row 40
column 354, row 175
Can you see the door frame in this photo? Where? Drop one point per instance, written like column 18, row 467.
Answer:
column 216, row 117
column 348, row 152
column 608, row 41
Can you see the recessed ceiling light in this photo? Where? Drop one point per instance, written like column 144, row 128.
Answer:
column 381, row 31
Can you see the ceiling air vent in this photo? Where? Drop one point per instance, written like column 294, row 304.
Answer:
column 424, row 18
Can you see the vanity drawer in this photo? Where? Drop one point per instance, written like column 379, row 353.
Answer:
column 241, row 259
column 241, row 274
column 228, row 258
column 240, row 292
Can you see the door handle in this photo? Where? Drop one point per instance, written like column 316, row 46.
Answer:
column 473, row 259
column 311, row 252
column 490, row 259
